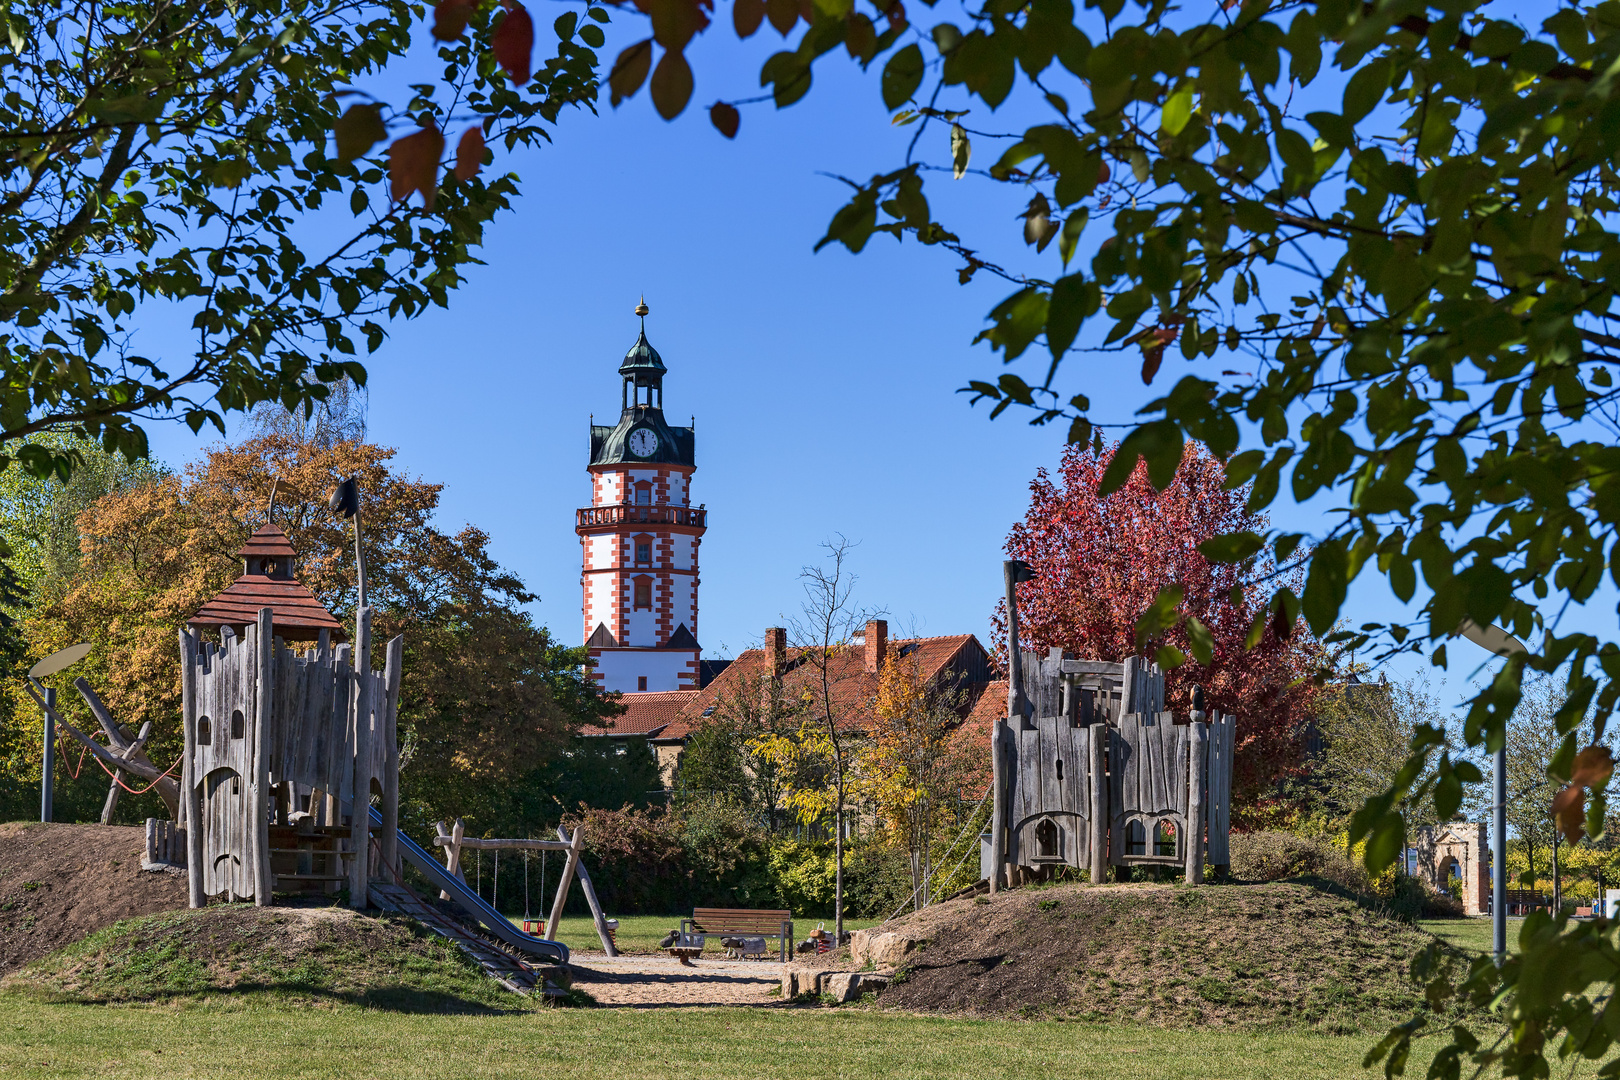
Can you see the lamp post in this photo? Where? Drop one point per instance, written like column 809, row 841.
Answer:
column 1499, row 641
column 346, row 501
column 47, row 667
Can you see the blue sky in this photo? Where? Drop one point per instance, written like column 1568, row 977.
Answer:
column 823, row 385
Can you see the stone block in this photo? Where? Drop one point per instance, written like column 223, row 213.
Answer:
column 884, row 950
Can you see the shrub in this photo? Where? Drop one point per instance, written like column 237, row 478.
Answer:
column 1276, row 856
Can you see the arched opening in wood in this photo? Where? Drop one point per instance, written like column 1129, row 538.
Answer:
column 1060, row 770
column 1135, row 838
column 1164, row 838
column 238, row 724
column 205, row 735
column 1046, row 840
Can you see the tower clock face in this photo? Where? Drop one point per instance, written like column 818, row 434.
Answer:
column 643, row 443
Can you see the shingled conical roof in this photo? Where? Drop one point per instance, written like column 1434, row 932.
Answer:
column 267, row 581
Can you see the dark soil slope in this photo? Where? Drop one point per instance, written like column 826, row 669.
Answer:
column 322, row 956
column 61, row 882
column 1283, row 955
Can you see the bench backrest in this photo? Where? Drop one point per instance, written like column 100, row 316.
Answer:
column 738, row 920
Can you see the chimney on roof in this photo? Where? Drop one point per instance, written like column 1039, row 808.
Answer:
column 877, row 644
column 775, row 650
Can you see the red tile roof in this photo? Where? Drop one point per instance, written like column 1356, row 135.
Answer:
column 645, row 713
column 298, row 615
column 854, row 689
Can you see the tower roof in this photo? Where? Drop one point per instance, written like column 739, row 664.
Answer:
column 298, row 615
column 642, row 359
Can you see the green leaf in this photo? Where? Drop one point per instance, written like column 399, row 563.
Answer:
column 1159, row 443
column 1178, row 110
column 1231, row 547
column 1201, row 641
column 901, row 76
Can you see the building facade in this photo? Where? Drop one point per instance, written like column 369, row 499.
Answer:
column 640, row 538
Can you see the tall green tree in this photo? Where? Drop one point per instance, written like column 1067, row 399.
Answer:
column 1366, row 729
column 222, row 160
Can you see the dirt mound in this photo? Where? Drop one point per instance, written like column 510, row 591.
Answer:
column 1277, row 955
column 297, row 956
column 61, row 882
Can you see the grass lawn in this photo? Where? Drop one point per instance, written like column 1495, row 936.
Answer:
column 1471, row 935
column 66, row 1041
column 642, row 933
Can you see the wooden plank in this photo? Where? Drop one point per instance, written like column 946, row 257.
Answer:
column 188, row 777
column 1050, row 792
column 360, row 806
column 1097, row 735
column 1092, row 667
column 1197, row 737
column 444, row 840
column 392, row 671
column 998, row 809
column 590, row 896
column 258, row 805
column 577, row 842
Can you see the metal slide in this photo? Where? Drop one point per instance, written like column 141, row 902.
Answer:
column 472, row 903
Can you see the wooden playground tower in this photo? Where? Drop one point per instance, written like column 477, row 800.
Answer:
column 285, row 748
column 1090, row 771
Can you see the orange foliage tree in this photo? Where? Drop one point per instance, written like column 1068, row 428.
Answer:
column 1100, row 560
column 486, row 694
column 919, row 762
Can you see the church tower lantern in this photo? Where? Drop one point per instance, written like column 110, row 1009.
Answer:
column 640, row 538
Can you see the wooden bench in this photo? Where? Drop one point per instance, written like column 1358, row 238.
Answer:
column 725, row 922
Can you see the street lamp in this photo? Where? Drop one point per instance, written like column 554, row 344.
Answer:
column 1495, row 639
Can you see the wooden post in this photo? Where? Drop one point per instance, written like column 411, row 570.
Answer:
column 1197, row 741
column 998, row 814
column 390, row 733
column 47, row 767
column 1099, row 802
column 188, row 772
column 114, row 787
column 452, row 854
column 574, row 845
column 264, row 675
column 360, row 817
column 1015, row 666
column 590, row 896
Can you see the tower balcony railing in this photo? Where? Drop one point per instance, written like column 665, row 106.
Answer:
column 695, row 517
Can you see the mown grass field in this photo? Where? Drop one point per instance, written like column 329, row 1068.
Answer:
column 61, row 1042
column 1471, row 935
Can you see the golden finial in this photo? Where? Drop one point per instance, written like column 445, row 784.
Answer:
column 642, row 309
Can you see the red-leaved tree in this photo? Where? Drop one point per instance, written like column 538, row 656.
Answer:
column 1100, row 560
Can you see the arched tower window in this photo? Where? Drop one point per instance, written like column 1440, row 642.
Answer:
column 205, row 735
column 238, row 724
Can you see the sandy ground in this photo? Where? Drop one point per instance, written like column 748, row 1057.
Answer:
column 61, row 882
column 662, row 982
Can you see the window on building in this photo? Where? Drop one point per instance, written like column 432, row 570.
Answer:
column 643, row 552
column 643, row 494
column 643, row 594
column 641, row 682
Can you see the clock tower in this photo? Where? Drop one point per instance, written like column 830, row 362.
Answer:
column 640, row 537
